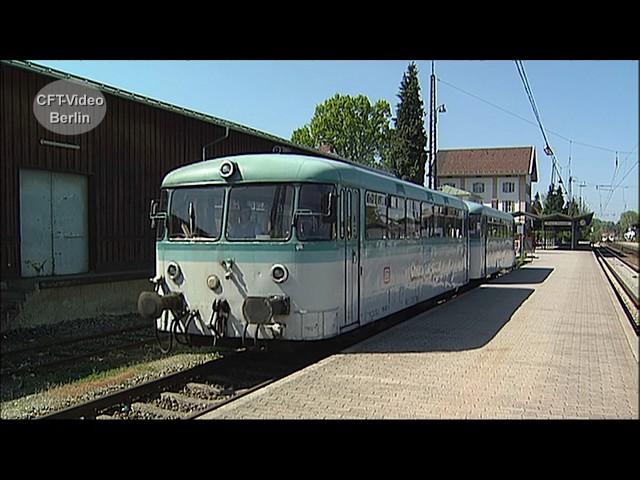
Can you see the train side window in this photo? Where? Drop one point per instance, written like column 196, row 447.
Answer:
column 426, row 222
column 455, row 223
column 438, row 222
column 396, row 218
column 474, row 225
column 355, row 213
column 316, row 217
column 347, row 213
column 450, row 223
column 341, row 214
column 376, row 215
column 413, row 219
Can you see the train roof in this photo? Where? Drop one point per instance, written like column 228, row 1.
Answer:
column 282, row 167
column 474, row 207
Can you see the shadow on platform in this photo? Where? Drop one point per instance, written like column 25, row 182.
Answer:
column 465, row 324
column 523, row 276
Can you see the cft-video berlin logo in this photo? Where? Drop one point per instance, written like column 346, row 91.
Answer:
column 67, row 107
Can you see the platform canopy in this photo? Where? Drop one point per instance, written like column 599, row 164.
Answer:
column 556, row 222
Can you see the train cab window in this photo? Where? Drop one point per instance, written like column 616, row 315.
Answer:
column 396, row 218
column 426, row 224
column 376, row 215
column 196, row 213
column 260, row 212
column 316, row 212
column 413, row 219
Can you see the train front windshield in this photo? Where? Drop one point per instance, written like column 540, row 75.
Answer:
column 260, row 212
column 256, row 212
column 196, row 213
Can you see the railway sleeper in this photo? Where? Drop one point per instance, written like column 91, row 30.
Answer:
column 186, row 402
column 207, row 392
column 149, row 410
column 105, row 417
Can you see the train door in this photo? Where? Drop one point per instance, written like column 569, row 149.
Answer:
column 351, row 226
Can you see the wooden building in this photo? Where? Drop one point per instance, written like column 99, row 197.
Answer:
column 79, row 204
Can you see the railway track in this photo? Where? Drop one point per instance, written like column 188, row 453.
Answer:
column 190, row 393
column 627, row 255
column 193, row 392
column 46, row 356
column 624, row 281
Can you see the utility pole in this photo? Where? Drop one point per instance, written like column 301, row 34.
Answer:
column 432, row 114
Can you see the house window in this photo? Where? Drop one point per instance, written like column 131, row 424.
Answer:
column 508, row 187
column 507, row 206
column 478, row 187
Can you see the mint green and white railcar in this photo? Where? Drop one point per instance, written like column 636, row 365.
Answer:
column 292, row 247
column 491, row 241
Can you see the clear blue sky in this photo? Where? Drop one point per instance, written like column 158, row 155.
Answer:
column 591, row 102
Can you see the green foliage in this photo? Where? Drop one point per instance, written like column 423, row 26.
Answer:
column 627, row 219
column 599, row 227
column 536, row 206
column 408, row 151
column 576, row 207
column 352, row 126
column 554, row 201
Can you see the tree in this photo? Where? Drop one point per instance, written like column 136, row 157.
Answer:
column 536, row 206
column 352, row 126
column 554, row 201
column 627, row 219
column 599, row 227
column 408, row 152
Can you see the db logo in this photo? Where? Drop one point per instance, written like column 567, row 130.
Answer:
column 387, row 274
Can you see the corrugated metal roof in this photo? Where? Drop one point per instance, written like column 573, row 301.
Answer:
column 487, row 161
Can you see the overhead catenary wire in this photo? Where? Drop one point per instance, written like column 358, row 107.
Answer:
column 547, row 149
column 551, row 132
column 618, row 151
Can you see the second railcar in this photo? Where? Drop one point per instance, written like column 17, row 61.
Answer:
column 491, row 241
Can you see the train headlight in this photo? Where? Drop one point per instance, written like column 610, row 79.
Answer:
column 173, row 271
column 279, row 273
column 213, row 282
column 227, row 169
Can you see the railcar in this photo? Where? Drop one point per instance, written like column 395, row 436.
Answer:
column 491, row 241
column 293, row 247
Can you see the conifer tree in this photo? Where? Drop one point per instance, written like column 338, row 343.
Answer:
column 409, row 154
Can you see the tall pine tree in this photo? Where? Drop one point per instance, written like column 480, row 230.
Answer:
column 409, row 153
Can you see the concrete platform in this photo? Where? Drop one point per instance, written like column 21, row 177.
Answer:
column 545, row 342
